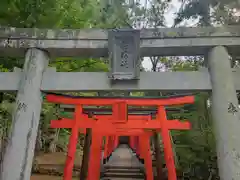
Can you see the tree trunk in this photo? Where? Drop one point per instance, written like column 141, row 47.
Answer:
column 54, row 139
column 38, row 145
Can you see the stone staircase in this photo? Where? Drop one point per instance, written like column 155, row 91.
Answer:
column 123, row 172
column 123, row 165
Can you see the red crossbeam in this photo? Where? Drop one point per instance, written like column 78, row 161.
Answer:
column 120, row 124
column 130, row 117
column 137, row 102
column 130, row 124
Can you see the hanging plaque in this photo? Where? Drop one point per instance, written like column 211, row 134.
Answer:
column 124, row 50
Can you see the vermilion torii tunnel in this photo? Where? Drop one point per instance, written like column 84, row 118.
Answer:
column 138, row 128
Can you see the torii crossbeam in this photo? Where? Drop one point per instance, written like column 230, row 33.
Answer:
column 119, row 124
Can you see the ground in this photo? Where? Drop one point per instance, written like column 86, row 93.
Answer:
column 50, row 166
column 46, row 177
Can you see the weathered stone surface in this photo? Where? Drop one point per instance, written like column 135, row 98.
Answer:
column 93, row 42
column 17, row 161
column 100, row 34
column 225, row 113
column 122, row 156
column 124, row 50
column 98, row 81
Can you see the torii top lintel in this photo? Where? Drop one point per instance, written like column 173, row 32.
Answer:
column 181, row 41
column 66, row 99
column 120, row 113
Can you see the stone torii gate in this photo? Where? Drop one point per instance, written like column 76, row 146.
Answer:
column 124, row 48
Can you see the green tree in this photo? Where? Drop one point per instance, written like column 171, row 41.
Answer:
column 209, row 11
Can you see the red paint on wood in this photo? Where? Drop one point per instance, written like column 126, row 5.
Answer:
column 116, row 141
column 167, row 145
column 129, row 101
column 95, row 157
column 137, row 146
column 131, row 143
column 120, row 124
column 72, row 146
column 131, row 124
column 105, row 155
column 130, row 117
column 147, row 156
column 120, row 112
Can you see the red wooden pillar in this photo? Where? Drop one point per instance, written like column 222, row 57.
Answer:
column 146, row 154
column 167, row 145
column 141, row 146
column 72, row 145
column 116, row 141
column 137, row 146
column 131, row 143
column 95, row 157
column 110, row 146
column 113, row 141
column 105, row 155
column 120, row 112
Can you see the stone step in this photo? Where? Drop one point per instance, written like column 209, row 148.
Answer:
column 123, row 175
column 123, row 170
column 121, row 167
column 126, row 178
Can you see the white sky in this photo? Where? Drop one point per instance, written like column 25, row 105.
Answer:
column 169, row 17
column 174, row 7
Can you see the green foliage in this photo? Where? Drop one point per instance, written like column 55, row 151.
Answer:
column 77, row 64
column 195, row 149
column 48, row 14
column 222, row 11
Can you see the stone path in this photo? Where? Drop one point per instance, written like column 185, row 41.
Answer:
column 123, row 156
column 123, row 165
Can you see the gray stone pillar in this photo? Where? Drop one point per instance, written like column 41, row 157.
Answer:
column 225, row 113
column 17, row 162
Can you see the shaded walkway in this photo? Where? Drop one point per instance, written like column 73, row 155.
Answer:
column 123, row 164
column 123, row 156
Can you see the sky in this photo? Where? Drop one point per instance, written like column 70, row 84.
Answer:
column 174, row 7
column 169, row 17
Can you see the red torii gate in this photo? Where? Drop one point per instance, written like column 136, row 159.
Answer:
column 112, row 125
